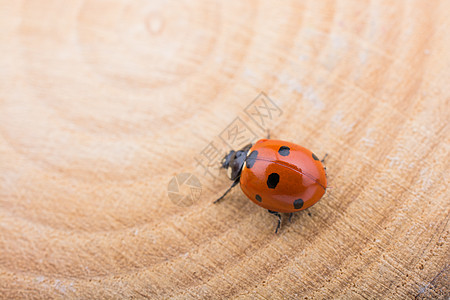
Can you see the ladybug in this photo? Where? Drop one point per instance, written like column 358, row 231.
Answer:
column 279, row 176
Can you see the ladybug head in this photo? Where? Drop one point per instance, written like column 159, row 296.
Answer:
column 234, row 161
column 227, row 158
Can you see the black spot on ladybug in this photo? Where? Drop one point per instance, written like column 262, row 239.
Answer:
column 284, row 150
column 315, row 157
column 251, row 159
column 273, row 180
column 298, row 203
column 258, row 197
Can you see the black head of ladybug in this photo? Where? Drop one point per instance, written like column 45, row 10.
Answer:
column 234, row 161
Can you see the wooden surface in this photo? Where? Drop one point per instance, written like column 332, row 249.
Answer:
column 103, row 102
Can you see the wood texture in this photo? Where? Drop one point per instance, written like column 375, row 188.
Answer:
column 103, row 102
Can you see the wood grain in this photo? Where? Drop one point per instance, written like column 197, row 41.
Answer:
column 102, row 103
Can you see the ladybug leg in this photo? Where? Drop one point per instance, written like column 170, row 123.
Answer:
column 228, row 190
column 279, row 219
column 268, row 134
column 323, row 161
column 290, row 216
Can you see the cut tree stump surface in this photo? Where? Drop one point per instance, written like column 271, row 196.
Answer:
column 104, row 105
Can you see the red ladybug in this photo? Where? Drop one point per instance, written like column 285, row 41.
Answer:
column 280, row 176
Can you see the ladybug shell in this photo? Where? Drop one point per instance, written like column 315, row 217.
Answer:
column 282, row 176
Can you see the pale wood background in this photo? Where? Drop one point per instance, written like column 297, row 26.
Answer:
column 103, row 102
